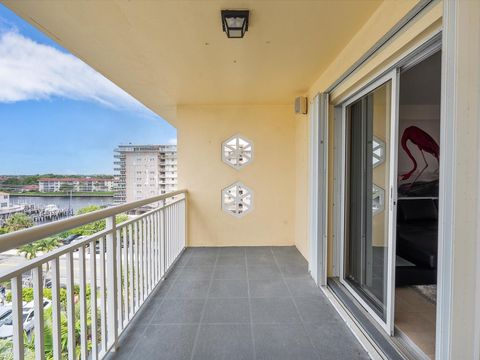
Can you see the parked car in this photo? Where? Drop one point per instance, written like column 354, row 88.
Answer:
column 5, row 313
column 78, row 239
column 6, row 327
column 70, row 238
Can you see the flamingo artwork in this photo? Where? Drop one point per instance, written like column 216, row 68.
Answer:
column 424, row 143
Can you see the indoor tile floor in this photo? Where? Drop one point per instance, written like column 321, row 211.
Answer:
column 415, row 317
column 239, row 303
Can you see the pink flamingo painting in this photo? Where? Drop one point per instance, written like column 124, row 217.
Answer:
column 424, row 143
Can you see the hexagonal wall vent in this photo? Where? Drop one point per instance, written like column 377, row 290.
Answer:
column 237, row 151
column 378, row 151
column 378, row 200
column 237, row 199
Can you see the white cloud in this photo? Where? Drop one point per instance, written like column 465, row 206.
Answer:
column 172, row 141
column 33, row 71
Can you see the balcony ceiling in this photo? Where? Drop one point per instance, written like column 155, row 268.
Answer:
column 166, row 53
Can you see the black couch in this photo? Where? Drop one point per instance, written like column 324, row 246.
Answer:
column 417, row 241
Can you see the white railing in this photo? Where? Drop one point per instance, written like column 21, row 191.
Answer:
column 106, row 276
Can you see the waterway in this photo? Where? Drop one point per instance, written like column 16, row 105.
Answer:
column 62, row 202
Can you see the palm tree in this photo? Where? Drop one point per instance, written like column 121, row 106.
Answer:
column 31, row 250
column 17, row 222
column 46, row 245
column 28, row 250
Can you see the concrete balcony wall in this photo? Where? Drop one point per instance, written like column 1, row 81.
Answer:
column 271, row 175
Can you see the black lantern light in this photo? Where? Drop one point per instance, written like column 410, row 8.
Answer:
column 235, row 23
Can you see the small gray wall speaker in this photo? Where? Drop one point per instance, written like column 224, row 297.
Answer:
column 301, row 105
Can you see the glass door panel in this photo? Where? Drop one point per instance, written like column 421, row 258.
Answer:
column 367, row 255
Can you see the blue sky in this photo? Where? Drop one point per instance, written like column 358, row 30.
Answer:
column 57, row 115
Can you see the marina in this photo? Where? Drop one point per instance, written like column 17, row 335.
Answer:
column 38, row 214
column 47, row 209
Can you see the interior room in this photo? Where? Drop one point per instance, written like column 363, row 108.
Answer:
column 417, row 207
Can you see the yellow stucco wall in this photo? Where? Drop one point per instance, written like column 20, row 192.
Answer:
column 279, row 173
column 271, row 175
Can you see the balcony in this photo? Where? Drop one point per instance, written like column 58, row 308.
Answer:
column 238, row 303
column 154, row 297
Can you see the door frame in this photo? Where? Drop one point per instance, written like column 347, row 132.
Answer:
column 388, row 324
column 318, row 187
column 410, row 57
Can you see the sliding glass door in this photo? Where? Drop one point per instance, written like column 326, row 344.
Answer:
column 369, row 211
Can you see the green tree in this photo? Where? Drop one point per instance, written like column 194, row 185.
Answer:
column 17, row 222
column 29, row 342
column 93, row 227
column 28, row 250
column 6, row 349
column 47, row 244
column 88, row 209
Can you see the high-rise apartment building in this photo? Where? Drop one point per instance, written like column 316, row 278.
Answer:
column 143, row 171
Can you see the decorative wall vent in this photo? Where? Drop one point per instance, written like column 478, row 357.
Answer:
column 378, row 152
column 237, row 151
column 378, row 200
column 237, row 199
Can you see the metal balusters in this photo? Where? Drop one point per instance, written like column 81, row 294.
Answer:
column 56, row 315
column 150, row 253
column 38, row 308
column 152, row 247
column 17, row 317
column 133, row 259
column 103, row 296
column 118, row 278
column 142, row 261
column 137, row 266
column 70, row 307
column 83, row 303
column 93, row 299
column 175, row 226
column 161, row 213
column 157, row 252
column 159, row 246
column 112, row 320
column 124, row 265
column 169, row 235
column 146, row 257
column 131, row 266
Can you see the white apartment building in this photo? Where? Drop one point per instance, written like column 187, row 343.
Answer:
column 75, row 184
column 143, row 171
column 4, row 200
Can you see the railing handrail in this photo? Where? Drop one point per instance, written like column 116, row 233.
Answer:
column 19, row 238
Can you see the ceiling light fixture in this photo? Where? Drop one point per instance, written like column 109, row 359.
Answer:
column 235, row 23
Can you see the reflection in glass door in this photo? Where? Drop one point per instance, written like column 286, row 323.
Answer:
column 368, row 237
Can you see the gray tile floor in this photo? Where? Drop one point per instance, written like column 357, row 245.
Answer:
column 239, row 304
